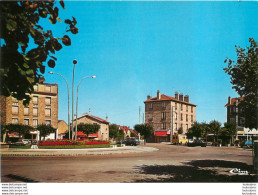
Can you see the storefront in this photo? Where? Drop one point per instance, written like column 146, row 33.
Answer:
column 162, row 136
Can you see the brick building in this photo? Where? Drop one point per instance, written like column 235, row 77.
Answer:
column 42, row 109
column 158, row 112
column 234, row 112
column 103, row 133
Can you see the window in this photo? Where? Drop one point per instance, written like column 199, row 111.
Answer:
column 181, row 117
column 35, row 99
column 182, row 107
column 191, row 109
column 186, row 126
column 35, row 87
column 186, row 108
column 186, row 118
column 26, row 110
column 175, row 106
column 14, row 120
column 176, row 126
column 163, row 105
column 48, row 101
column 164, row 125
column 48, row 122
column 35, row 122
column 176, row 116
column 26, row 121
column 48, row 88
column 150, row 106
column 47, row 111
column 191, row 118
column 163, row 115
column 15, row 108
column 35, row 111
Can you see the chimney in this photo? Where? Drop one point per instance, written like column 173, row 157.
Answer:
column 176, row 95
column 106, row 118
column 229, row 100
column 148, row 97
column 158, row 95
column 186, row 98
column 89, row 112
column 181, row 97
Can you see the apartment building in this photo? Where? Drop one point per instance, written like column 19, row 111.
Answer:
column 159, row 111
column 234, row 112
column 42, row 109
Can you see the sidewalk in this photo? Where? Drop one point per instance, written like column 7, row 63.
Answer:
column 8, row 152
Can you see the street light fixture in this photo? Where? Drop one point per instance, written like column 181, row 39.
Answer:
column 93, row 76
column 69, row 130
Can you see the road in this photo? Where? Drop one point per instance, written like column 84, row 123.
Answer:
column 169, row 164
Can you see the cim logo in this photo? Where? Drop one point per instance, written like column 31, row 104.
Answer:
column 238, row 172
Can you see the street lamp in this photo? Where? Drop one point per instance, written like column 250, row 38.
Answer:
column 68, row 100
column 93, row 76
column 74, row 63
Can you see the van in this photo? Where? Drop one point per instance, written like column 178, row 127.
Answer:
column 179, row 139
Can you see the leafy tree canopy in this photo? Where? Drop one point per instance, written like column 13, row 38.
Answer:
column 26, row 46
column 230, row 128
column 144, row 129
column 244, row 78
column 88, row 128
column 18, row 128
column 113, row 131
column 45, row 130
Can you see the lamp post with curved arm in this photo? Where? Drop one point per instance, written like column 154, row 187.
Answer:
column 93, row 76
column 68, row 100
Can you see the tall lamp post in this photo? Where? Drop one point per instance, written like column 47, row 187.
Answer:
column 69, row 130
column 93, row 76
column 171, row 133
column 74, row 63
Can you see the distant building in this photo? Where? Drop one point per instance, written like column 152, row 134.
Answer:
column 126, row 130
column 103, row 133
column 234, row 114
column 42, row 109
column 158, row 112
column 62, row 129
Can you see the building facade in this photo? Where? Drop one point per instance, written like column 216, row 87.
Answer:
column 103, row 133
column 42, row 109
column 159, row 111
column 62, row 128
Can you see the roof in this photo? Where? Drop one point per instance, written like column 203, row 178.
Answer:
column 168, row 98
column 93, row 117
column 233, row 101
column 124, row 128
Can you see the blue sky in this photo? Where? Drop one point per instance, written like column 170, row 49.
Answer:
column 136, row 48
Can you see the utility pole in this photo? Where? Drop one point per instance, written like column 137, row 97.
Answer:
column 171, row 133
column 139, row 114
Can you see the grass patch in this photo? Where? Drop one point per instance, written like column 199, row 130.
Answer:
column 75, row 146
column 20, row 146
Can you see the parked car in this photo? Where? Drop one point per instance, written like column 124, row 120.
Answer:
column 197, row 143
column 131, row 142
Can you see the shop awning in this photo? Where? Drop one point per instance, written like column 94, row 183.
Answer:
column 161, row 133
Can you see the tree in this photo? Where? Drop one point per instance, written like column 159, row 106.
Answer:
column 244, row 78
column 195, row 130
column 145, row 130
column 26, row 46
column 45, row 130
column 18, row 128
column 180, row 130
column 88, row 128
column 113, row 131
column 230, row 130
column 215, row 128
column 205, row 130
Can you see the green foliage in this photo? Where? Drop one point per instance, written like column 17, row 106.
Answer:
column 113, row 131
column 18, row 128
column 244, row 78
column 45, row 130
column 195, row 130
column 215, row 128
column 88, row 128
column 145, row 130
column 230, row 128
column 26, row 46
column 180, row 130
